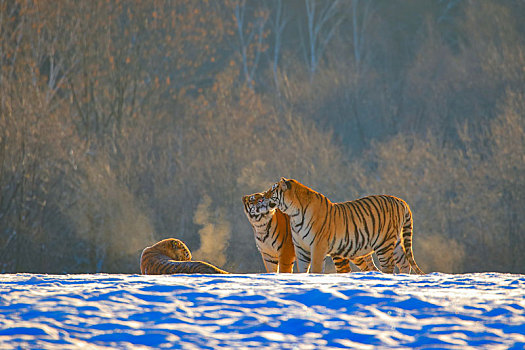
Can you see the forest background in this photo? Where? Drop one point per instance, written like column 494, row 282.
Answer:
column 126, row 122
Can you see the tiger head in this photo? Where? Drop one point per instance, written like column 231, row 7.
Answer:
column 280, row 195
column 173, row 248
column 255, row 206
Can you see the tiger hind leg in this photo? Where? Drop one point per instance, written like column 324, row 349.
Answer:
column 385, row 256
column 401, row 259
column 365, row 263
column 342, row 265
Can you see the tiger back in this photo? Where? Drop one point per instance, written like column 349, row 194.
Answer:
column 172, row 256
column 272, row 234
column 380, row 224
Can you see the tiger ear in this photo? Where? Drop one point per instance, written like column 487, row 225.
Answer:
column 285, row 184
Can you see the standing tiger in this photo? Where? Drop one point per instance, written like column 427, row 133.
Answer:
column 273, row 238
column 272, row 235
column 172, row 256
column 380, row 224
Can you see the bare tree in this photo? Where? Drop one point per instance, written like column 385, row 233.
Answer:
column 361, row 14
column 322, row 20
column 279, row 22
column 251, row 37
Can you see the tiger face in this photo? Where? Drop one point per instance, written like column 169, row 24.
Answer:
column 275, row 196
column 255, row 206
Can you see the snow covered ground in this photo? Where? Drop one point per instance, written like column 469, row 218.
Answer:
column 361, row 310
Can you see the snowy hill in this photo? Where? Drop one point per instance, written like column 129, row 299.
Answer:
column 361, row 310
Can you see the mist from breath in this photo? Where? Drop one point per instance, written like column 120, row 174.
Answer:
column 214, row 234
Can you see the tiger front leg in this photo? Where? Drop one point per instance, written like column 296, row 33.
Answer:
column 318, row 254
column 286, row 262
column 303, row 265
column 286, row 254
column 270, row 263
column 302, row 258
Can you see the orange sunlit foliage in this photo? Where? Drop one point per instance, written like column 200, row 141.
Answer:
column 98, row 65
column 119, row 119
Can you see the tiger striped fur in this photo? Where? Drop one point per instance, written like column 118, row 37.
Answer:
column 381, row 224
column 272, row 235
column 172, row 256
column 274, row 239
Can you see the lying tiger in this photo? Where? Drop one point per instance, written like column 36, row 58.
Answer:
column 171, row 256
column 381, row 224
column 273, row 239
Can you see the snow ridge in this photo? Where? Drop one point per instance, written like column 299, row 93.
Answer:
column 361, row 310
